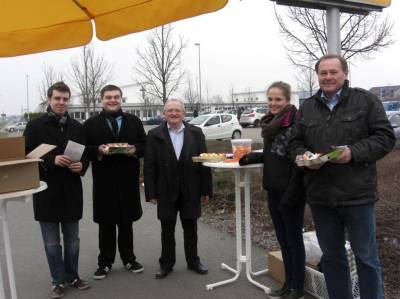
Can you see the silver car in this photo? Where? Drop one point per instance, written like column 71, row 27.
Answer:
column 218, row 125
column 395, row 121
column 252, row 116
column 20, row 126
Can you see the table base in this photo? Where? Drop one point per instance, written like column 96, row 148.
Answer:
column 240, row 258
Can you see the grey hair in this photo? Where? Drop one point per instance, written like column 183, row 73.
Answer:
column 175, row 100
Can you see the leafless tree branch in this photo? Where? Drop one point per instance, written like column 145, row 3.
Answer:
column 159, row 66
column 89, row 74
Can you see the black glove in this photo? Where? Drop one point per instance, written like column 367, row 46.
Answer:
column 251, row 158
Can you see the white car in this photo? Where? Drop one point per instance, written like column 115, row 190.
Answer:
column 20, row 126
column 218, row 126
column 252, row 116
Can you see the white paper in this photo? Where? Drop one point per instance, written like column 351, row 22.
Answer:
column 74, row 151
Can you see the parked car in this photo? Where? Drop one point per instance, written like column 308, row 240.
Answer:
column 20, row 126
column 391, row 107
column 395, row 121
column 188, row 116
column 252, row 116
column 155, row 120
column 218, row 126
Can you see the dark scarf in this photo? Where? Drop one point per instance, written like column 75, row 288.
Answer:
column 60, row 119
column 272, row 124
column 112, row 117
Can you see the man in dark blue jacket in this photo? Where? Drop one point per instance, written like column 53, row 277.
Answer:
column 342, row 192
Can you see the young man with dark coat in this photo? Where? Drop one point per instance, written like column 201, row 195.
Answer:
column 176, row 184
column 61, row 204
column 116, row 196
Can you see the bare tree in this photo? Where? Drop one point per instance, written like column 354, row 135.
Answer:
column 305, row 34
column 307, row 79
column 89, row 74
column 50, row 76
column 190, row 95
column 159, row 65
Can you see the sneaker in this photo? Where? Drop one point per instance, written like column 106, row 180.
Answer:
column 134, row 267
column 279, row 292
column 101, row 272
column 293, row 294
column 79, row 284
column 57, row 291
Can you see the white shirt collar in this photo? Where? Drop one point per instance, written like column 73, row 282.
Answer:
column 180, row 129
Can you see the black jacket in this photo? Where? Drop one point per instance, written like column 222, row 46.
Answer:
column 280, row 173
column 116, row 196
column 359, row 121
column 62, row 201
column 165, row 177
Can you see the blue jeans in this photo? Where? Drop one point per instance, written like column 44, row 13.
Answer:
column 61, row 269
column 359, row 223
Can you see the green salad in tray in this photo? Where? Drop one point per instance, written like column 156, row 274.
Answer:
column 120, row 148
column 309, row 158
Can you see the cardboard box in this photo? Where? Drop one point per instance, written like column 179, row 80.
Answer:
column 275, row 266
column 18, row 172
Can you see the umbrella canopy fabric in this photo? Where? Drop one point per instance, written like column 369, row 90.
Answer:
column 31, row 26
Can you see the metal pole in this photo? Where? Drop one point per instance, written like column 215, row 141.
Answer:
column 333, row 28
column 198, row 47
column 27, row 97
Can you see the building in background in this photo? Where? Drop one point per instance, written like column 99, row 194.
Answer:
column 387, row 93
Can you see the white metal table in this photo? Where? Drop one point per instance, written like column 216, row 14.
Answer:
column 239, row 172
column 23, row 196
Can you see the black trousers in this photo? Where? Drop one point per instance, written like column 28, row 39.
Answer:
column 288, row 228
column 107, row 243
column 168, row 256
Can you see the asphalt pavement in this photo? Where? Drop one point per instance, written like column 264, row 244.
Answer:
column 33, row 277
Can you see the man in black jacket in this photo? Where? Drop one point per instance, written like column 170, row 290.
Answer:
column 176, row 183
column 116, row 196
column 60, row 205
column 342, row 192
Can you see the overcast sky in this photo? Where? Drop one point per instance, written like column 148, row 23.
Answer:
column 240, row 46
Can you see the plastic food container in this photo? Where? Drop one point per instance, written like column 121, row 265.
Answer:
column 240, row 147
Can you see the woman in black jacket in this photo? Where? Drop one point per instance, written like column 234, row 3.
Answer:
column 283, row 182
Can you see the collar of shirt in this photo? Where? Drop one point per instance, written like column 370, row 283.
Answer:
column 176, row 131
column 119, row 121
column 331, row 103
column 176, row 139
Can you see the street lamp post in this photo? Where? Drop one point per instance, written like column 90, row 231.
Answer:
column 144, row 100
column 198, row 47
column 27, row 97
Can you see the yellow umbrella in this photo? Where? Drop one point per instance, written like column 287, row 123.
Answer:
column 31, row 26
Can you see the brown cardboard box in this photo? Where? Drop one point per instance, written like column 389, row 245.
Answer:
column 275, row 266
column 18, row 172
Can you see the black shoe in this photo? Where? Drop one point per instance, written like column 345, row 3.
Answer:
column 57, row 291
column 199, row 269
column 101, row 272
column 134, row 267
column 294, row 294
column 162, row 273
column 279, row 292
